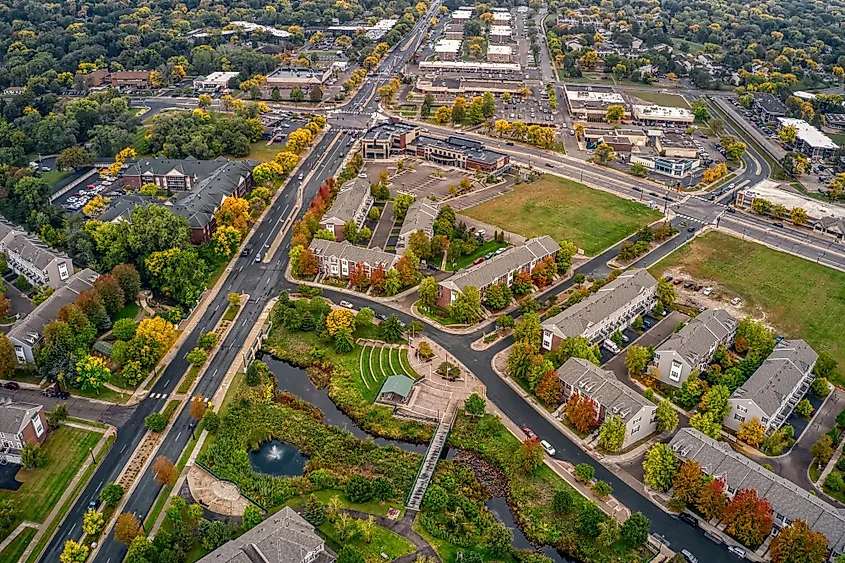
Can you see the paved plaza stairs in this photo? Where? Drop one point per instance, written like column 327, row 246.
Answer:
column 432, row 455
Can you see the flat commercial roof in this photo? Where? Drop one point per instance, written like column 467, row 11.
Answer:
column 469, row 65
column 462, row 13
column 809, row 134
column 220, row 77
column 500, row 30
column 448, row 46
column 601, row 94
column 499, row 50
column 662, row 112
column 771, row 192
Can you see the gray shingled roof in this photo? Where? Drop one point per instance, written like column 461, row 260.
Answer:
column 284, row 537
column 739, row 472
column 31, row 249
column 777, row 377
column 496, row 267
column 345, row 250
column 189, row 166
column 694, row 341
column 348, row 200
column 602, row 386
column 200, row 202
column 28, row 329
column 575, row 320
column 123, row 207
column 420, row 216
column 15, row 416
column 770, row 103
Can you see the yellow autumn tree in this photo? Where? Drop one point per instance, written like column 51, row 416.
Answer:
column 287, row 161
column 158, row 330
column 234, row 212
column 226, row 240
column 340, row 319
column 95, row 206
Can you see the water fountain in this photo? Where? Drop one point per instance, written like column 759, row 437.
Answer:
column 278, row 458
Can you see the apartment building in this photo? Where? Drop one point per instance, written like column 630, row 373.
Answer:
column 768, row 107
column 460, row 153
column 26, row 333
column 771, row 393
column 498, row 269
column 611, row 308
column 693, row 346
column 339, row 259
column 810, row 140
column 284, row 537
column 124, row 79
column 20, row 423
column 29, row 257
column 453, row 31
column 420, row 217
column 448, row 49
column 387, row 139
column 461, row 15
column 500, row 33
column 611, row 397
column 789, row 501
column 351, row 204
column 499, row 53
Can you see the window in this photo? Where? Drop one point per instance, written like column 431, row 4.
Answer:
column 39, row 427
column 635, row 430
column 20, row 353
column 637, row 420
column 63, row 273
column 739, row 417
column 675, row 374
column 740, row 408
column 731, row 490
column 764, row 420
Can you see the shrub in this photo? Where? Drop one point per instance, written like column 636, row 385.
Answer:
column 124, row 329
column 584, row 472
column 156, row 422
column 840, row 464
column 804, row 408
column 358, row 489
column 834, row 482
column 562, row 501
column 211, row 421
column 602, row 489
column 821, row 388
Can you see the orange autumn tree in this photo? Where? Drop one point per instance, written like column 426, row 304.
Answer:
column 748, row 518
column 550, row 390
column 581, row 412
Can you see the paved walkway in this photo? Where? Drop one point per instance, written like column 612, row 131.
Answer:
column 217, row 496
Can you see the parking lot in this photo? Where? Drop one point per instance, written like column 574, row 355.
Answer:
column 75, row 200
column 421, row 181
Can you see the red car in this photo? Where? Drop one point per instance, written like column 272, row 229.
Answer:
column 529, row 432
column 478, row 261
column 12, row 385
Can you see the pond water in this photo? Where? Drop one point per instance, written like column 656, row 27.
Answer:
column 279, row 459
column 295, row 380
column 500, row 509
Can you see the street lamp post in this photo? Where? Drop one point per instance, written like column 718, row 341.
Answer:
column 91, row 451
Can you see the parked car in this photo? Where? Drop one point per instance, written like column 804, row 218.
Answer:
column 677, row 282
column 689, row 556
column 646, row 323
column 736, row 301
column 708, row 290
column 12, row 385
column 548, row 447
column 698, row 287
column 688, row 285
column 478, row 260
column 688, row 519
column 381, row 316
column 346, row 304
column 690, row 229
column 738, row 551
column 528, row 432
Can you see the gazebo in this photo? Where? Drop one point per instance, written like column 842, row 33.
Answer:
column 396, row 389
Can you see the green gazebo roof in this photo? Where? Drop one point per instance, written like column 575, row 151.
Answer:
column 399, row 384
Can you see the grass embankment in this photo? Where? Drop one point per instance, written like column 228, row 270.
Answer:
column 341, row 373
column 481, row 251
column 661, row 99
column 799, row 298
column 15, row 549
column 65, row 451
column 565, row 210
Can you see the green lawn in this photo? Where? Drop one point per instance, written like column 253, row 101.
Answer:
column 383, row 541
column 15, row 549
column 668, row 100
column 406, row 364
column 130, row 311
column 231, row 312
column 798, row 297
column 838, row 138
column 102, row 394
column 261, row 152
column 371, row 507
column 189, row 378
column 694, row 48
column 436, row 314
column 53, row 177
column 594, row 220
column 65, row 450
column 481, row 251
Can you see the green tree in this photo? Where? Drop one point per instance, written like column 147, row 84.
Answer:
column 349, row 554
column 428, row 291
column 391, row 330
column 562, row 501
column 111, row 494
column 635, row 530
column 667, row 417
column 92, row 373
column 666, row 292
column 207, row 340
column 590, row 518
column 636, row 359
column 358, row 489
column 315, row 513
column 252, row 517
column 74, row 552
column 344, row 341
column 660, row 465
column 196, row 357
column 32, row 455
column 474, row 405
column 156, row 422
column 612, row 433
column 585, row 472
column 466, row 308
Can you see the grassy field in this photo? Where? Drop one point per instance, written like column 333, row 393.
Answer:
column 15, row 549
column 130, row 311
column 797, row 297
column 694, row 48
column 65, row 449
column 383, row 541
column 464, row 261
column 53, row 177
column 565, row 210
column 261, row 152
column 838, row 138
column 668, row 100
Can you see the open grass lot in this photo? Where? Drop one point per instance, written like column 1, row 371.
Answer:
column 484, row 249
column 261, row 152
column 563, row 209
column 15, row 549
column 53, row 177
column 668, row 100
column 797, row 297
column 65, row 449
column 383, row 541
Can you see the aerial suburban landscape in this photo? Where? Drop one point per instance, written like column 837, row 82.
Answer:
column 427, row 282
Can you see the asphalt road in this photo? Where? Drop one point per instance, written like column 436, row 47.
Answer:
column 261, row 282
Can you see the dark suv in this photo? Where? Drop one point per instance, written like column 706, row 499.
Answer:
column 689, row 519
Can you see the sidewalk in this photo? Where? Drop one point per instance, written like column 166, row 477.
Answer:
column 66, row 495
